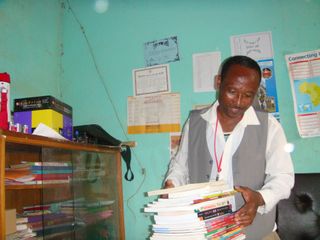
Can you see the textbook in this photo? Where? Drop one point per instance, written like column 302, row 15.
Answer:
column 191, row 207
column 194, row 211
column 25, row 164
column 189, row 189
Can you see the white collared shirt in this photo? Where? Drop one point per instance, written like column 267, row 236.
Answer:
column 279, row 169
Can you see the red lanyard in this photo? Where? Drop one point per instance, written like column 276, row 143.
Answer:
column 218, row 164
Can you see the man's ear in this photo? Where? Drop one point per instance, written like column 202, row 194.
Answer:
column 217, row 81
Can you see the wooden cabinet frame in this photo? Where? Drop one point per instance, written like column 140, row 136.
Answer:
column 10, row 138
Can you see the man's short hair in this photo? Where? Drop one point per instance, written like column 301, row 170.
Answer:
column 239, row 60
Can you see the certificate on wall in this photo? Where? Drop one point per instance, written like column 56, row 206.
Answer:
column 304, row 74
column 151, row 80
column 161, row 51
column 255, row 45
column 154, row 114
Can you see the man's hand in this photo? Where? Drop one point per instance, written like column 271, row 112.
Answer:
column 247, row 213
column 167, row 184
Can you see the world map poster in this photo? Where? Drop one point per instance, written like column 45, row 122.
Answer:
column 304, row 73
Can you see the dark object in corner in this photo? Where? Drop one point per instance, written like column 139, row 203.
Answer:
column 298, row 218
column 303, row 203
column 94, row 134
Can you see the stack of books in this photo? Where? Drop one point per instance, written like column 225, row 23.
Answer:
column 194, row 211
column 16, row 229
column 38, row 173
column 88, row 212
column 39, row 220
column 51, row 172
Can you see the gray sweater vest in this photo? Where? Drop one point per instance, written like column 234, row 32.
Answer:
column 248, row 165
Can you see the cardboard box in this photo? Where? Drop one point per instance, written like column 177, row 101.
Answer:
column 47, row 110
column 11, row 216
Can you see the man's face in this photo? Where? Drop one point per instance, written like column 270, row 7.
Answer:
column 237, row 91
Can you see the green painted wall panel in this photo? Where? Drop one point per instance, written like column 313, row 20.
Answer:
column 30, row 46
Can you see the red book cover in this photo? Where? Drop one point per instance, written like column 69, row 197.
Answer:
column 36, row 208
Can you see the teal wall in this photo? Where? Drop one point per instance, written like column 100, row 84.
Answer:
column 30, row 46
column 97, row 88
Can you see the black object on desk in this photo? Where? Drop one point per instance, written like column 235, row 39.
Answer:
column 95, row 134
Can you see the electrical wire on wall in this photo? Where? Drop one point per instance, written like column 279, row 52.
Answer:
column 61, row 53
column 109, row 97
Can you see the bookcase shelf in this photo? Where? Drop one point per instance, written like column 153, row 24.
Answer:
column 89, row 205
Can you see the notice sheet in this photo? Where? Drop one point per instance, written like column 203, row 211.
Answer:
column 154, row 114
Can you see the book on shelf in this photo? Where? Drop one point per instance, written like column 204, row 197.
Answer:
column 52, row 176
column 18, row 175
column 40, row 225
column 194, row 211
column 28, row 173
column 65, row 227
column 38, row 182
column 20, row 235
column 36, row 208
column 51, row 171
column 19, row 180
column 51, row 168
column 99, row 203
column 44, row 219
column 21, row 227
column 22, row 165
column 25, row 164
column 90, row 217
column 82, row 202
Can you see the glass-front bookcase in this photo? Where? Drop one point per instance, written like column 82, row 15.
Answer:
column 53, row 189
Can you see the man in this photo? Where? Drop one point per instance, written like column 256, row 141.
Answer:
column 230, row 140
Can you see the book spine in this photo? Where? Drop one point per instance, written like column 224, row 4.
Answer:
column 51, row 171
column 237, row 236
column 55, row 229
column 51, row 168
column 53, row 181
column 188, row 188
column 47, row 223
column 62, row 176
column 35, row 208
column 228, row 218
column 220, row 225
column 37, row 218
column 230, row 232
column 214, row 212
column 51, row 164
column 219, row 202
column 199, row 191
